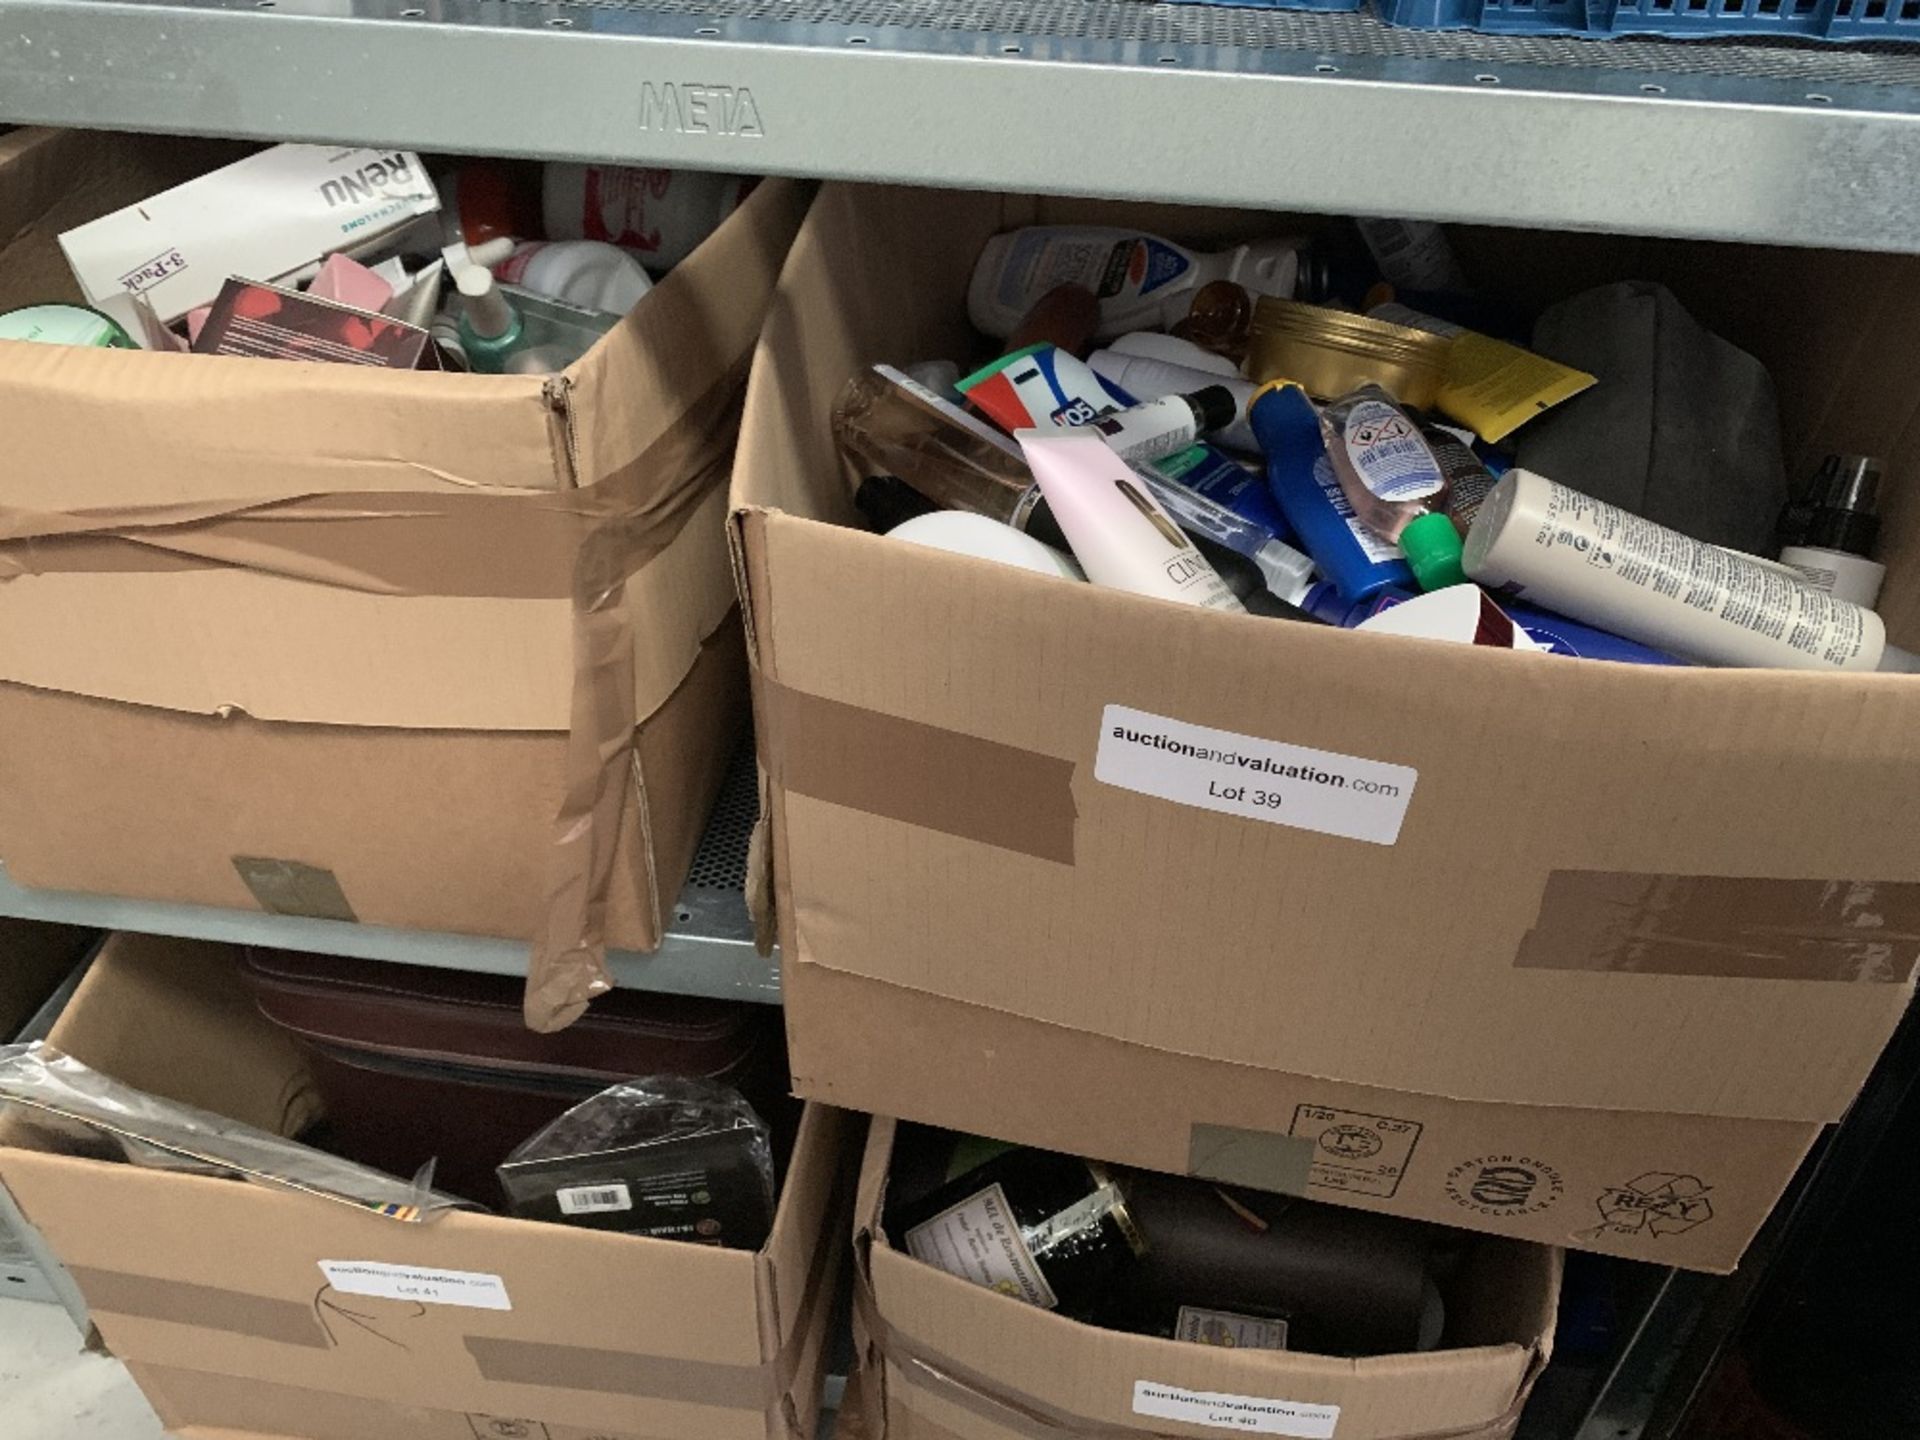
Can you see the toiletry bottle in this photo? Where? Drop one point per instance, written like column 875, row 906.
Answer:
column 658, row 215
column 1062, row 1231
column 1584, row 558
column 1043, row 386
column 888, row 424
column 1218, row 321
column 1155, row 429
column 1141, row 280
column 1835, row 553
column 1152, row 345
column 489, row 326
column 1065, row 317
column 1412, row 254
column 1394, row 481
column 589, row 273
column 1553, row 633
column 1151, row 379
column 1120, row 534
column 1300, row 476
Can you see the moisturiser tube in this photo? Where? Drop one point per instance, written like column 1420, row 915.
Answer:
column 1611, row 568
column 1119, row 532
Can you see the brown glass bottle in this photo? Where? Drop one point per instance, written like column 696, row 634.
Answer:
column 1049, row 1229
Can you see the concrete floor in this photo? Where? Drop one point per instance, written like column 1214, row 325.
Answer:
column 51, row 1389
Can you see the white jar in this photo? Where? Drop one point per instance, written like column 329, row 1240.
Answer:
column 587, row 273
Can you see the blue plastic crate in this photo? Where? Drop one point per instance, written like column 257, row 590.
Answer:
column 1341, row 7
column 1837, row 20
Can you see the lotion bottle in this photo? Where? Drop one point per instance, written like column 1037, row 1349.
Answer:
column 1142, row 281
column 1610, row 568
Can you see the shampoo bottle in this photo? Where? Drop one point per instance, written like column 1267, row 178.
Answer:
column 1301, row 478
column 1142, row 281
column 1585, row 558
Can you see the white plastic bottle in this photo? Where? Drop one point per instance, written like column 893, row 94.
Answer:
column 1610, row 568
column 1146, row 378
column 588, row 273
column 1142, row 281
column 659, row 215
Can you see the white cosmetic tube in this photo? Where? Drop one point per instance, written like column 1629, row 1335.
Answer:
column 1120, row 534
column 1610, row 568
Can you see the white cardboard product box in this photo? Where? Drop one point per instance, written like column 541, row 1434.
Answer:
column 258, row 218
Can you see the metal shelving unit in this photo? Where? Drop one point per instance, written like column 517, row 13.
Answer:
column 1773, row 142
column 708, row 950
column 1776, row 141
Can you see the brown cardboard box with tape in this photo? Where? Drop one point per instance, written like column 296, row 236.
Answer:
column 214, row 1291
column 313, row 637
column 945, row 1359
column 1633, row 935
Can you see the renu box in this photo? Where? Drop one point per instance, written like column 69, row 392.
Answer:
column 260, row 218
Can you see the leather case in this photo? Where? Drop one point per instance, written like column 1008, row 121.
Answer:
column 415, row 1063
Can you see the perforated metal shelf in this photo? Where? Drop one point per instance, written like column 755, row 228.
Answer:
column 708, row 950
column 1775, row 141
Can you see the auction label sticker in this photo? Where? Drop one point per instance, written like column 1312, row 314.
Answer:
column 471, row 1288
column 1253, row 778
column 1255, row 1413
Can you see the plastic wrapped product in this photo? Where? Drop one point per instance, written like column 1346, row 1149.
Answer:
column 84, row 1112
column 668, row 1156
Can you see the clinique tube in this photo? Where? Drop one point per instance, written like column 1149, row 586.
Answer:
column 1120, row 534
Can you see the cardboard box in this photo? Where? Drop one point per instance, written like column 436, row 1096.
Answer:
column 212, row 1290
column 958, row 1361
column 344, row 684
column 1641, row 934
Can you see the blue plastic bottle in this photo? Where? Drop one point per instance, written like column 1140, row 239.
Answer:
column 1554, row 633
column 1358, row 562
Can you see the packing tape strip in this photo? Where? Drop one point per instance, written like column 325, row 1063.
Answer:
column 921, row 774
column 620, row 1372
column 205, row 1307
column 1723, row 927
